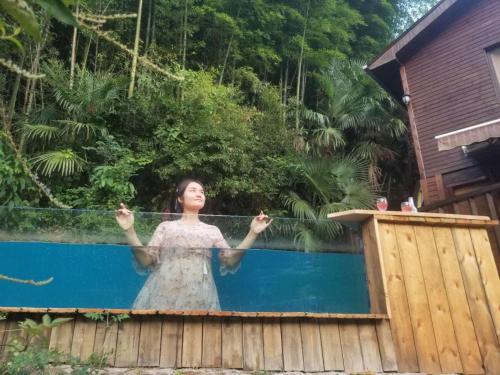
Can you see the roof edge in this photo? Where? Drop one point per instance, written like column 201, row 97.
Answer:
column 390, row 52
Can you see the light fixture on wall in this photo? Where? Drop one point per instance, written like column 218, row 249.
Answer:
column 406, row 99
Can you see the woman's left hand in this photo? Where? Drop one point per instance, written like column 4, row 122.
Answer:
column 260, row 223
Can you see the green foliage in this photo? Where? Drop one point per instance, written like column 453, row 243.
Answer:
column 107, row 317
column 22, row 12
column 231, row 122
column 28, row 352
column 324, row 186
column 64, row 162
column 17, row 189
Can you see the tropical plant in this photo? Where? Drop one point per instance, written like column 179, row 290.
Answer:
column 57, row 134
column 28, row 352
column 326, row 185
column 356, row 116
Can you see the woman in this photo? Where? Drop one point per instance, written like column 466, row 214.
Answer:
column 179, row 254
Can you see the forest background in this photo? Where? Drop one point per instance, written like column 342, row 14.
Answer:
column 265, row 101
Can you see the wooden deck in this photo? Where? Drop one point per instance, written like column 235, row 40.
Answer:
column 435, row 308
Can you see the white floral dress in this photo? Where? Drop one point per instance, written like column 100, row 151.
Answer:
column 181, row 276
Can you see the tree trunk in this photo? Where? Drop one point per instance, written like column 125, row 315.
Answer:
column 184, row 35
column 299, row 69
column 35, row 66
column 285, row 91
column 304, row 80
column 153, row 24
column 148, row 26
column 228, row 50
column 136, row 51
column 86, row 53
column 73, row 51
column 13, row 99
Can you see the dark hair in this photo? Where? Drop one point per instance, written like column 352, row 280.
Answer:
column 179, row 192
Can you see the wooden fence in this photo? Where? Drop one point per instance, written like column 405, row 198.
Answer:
column 484, row 201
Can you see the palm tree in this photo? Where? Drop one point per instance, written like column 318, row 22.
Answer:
column 368, row 117
column 355, row 116
column 323, row 186
column 57, row 134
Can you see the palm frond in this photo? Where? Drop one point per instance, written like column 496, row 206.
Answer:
column 39, row 133
column 305, row 238
column 316, row 118
column 74, row 129
column 300, row 207
column 328, row 229
column 329, row 137
column 64, row 162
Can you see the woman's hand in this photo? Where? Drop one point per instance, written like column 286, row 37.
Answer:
column 124, row 217
column 260, row 223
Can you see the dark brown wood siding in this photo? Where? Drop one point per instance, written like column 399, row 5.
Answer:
column 451, row 84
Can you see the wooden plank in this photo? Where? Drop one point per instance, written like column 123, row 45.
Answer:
column 9, row 331
column 273, row 349
column 150, row 341
column 171, row 330
column 311, row 346
column 425, row 342
column 369, row 347
column 490, row 199
column 483, row 323
column 3, row 328
column 457, row 299
column 253, row 345
column 232, row 343
column 444, row 332
column 292, row 345
column 127, row 343
column 358, row 216
column 373, row 267
column 61, row 337
column 202, row 313
column 332, row 348
column 105, row 341
column 351, row 347
column 82, row 345
column 412, row 121
column 386, row 346
column 212, row 343
column 180, row 343
column 192, row 342
column 489, row 273
column 400, row 324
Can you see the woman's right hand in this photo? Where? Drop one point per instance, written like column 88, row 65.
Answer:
column 124, row 217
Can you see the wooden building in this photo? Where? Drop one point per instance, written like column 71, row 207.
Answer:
column 435, row 308
column 447, row 69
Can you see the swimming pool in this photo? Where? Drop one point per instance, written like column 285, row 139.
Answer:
column 102, row 275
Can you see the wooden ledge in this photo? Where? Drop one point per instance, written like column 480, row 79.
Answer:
column 202, row 313
column 359, row 216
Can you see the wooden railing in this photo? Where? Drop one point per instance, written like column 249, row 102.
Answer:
column 484, row 201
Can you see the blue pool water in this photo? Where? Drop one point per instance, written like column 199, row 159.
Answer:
column 103, row 276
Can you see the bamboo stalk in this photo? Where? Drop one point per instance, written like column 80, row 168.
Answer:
column 135, row 52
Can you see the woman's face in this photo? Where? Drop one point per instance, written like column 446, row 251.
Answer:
column 193, row 198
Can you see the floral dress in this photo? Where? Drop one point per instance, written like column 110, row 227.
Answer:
column 181, row 275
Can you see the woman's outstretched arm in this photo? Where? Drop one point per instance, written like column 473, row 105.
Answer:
column 125, row 219
column 232, row 257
